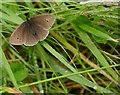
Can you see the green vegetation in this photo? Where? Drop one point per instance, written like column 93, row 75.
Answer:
column 80, row 55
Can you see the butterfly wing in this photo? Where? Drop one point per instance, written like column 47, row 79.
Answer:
column 41, row 25
column 38, row 31
column 17, row 37
column 30, row 39
column 45, row 20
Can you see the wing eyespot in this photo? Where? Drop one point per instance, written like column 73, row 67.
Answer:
column 47, row 20
column 18, row 39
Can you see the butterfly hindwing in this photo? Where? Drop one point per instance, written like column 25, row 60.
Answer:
column 30, row 39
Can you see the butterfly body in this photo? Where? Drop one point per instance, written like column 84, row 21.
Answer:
column 29, row 25
column 33, row 30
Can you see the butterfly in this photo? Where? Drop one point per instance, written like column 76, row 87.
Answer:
column 33, row 30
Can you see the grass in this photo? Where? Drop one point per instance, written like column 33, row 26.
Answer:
column 80, row 55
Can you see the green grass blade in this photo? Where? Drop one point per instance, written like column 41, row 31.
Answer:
column 8, row 69
column 89, row 43
column 96, row 32
column 79, row 79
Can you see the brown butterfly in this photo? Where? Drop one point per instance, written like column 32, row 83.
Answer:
column 33, row 30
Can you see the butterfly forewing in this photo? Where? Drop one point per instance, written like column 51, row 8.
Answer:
column 38, row 31
column 45, row 20
column 18, row 37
